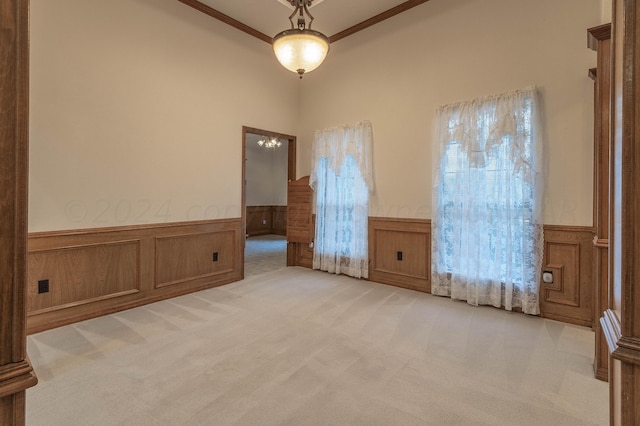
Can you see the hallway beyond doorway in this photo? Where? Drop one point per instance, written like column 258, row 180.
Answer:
column 264, row 253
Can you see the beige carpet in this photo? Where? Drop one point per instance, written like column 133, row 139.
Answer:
column 300, row 347
column 264, row 253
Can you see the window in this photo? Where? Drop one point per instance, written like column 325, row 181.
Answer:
column 487, row 236
column 342, row 179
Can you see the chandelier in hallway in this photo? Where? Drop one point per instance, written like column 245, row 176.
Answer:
column 270, row 143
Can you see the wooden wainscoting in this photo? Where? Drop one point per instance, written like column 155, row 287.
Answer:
column 259, row 220
column 183, row 258
column 400, row 252
column 301, row 254
column 279, row 215
column 263, row 220
column 98, row 271
column 568, row 254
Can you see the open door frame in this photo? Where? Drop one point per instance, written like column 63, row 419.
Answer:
column 291, row 171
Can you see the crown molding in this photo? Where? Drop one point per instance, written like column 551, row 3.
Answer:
column 402, row 7
column 208, row 10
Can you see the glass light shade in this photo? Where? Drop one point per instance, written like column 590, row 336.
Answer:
column 300, row 51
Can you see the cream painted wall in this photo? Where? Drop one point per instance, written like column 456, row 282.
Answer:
column 396, row 73
column 607, row 9
column 266, row 175
column 137, row 105
column 137, row 108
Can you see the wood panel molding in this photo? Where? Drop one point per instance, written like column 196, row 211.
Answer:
column 112, row 268
column 189, row 257
column 400, row 252
column 259, row 220
column 568, row 254
column 93, row 272
column 16, row 373
column 264, row 220
column 279, row 215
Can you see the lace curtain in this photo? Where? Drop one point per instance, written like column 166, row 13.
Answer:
column 487, row 227
column 342, row 177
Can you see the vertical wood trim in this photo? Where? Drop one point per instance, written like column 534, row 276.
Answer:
column 599, row 39
column 624, row 301
column 630, row 171
column 16, row 373
column 243, row 199
column 292, row 159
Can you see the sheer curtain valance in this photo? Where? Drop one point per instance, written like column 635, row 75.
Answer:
column 337, row 143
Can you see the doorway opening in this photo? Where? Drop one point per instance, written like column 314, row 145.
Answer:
column 269, row 163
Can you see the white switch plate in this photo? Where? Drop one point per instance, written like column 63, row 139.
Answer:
column 547, row 277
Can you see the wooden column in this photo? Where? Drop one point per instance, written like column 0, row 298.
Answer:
column 600, row 40
column 621, row 322
column 16, row 374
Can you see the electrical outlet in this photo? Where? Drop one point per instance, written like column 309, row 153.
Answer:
column 399, row 255
column 264, row 221
column 43, row 286
column 215, row 256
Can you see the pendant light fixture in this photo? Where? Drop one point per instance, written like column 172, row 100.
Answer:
column 300, row 49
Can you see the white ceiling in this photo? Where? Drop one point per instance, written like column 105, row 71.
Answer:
column 272, row 16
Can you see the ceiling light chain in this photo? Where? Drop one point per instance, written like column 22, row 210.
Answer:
column 302, row 7
column 301, row 49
